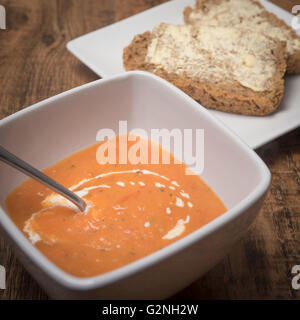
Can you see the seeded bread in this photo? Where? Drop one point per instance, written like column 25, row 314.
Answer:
column 249, row 14
column 225, row 74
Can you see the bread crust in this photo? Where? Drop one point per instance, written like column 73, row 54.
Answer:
column 293, row 59
column 233, row 98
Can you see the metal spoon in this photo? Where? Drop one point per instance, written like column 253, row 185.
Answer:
column 26, row 168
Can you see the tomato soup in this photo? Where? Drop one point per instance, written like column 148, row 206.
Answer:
column 132, row 211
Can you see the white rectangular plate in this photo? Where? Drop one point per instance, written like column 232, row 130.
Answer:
column 102, row 50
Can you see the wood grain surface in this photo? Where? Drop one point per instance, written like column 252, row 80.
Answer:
column 34, row 65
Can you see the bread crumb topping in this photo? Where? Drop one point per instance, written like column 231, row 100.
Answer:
column 214, row 53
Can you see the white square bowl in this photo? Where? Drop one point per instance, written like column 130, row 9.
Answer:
column 59, row 126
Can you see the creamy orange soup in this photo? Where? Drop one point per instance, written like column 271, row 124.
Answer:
column 133, row 210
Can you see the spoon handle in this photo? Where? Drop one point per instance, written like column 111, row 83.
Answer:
column 26, row 168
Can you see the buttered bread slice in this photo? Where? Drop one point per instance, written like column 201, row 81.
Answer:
column 226, row 69
column 248, row 14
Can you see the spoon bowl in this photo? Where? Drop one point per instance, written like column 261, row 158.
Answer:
column 36, row 174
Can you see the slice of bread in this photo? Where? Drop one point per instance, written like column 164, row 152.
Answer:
column 248, row 14
column 226, row 69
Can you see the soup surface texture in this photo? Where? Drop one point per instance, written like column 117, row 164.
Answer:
column 133, row 211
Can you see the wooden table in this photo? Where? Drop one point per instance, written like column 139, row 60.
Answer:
column 34, row 65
